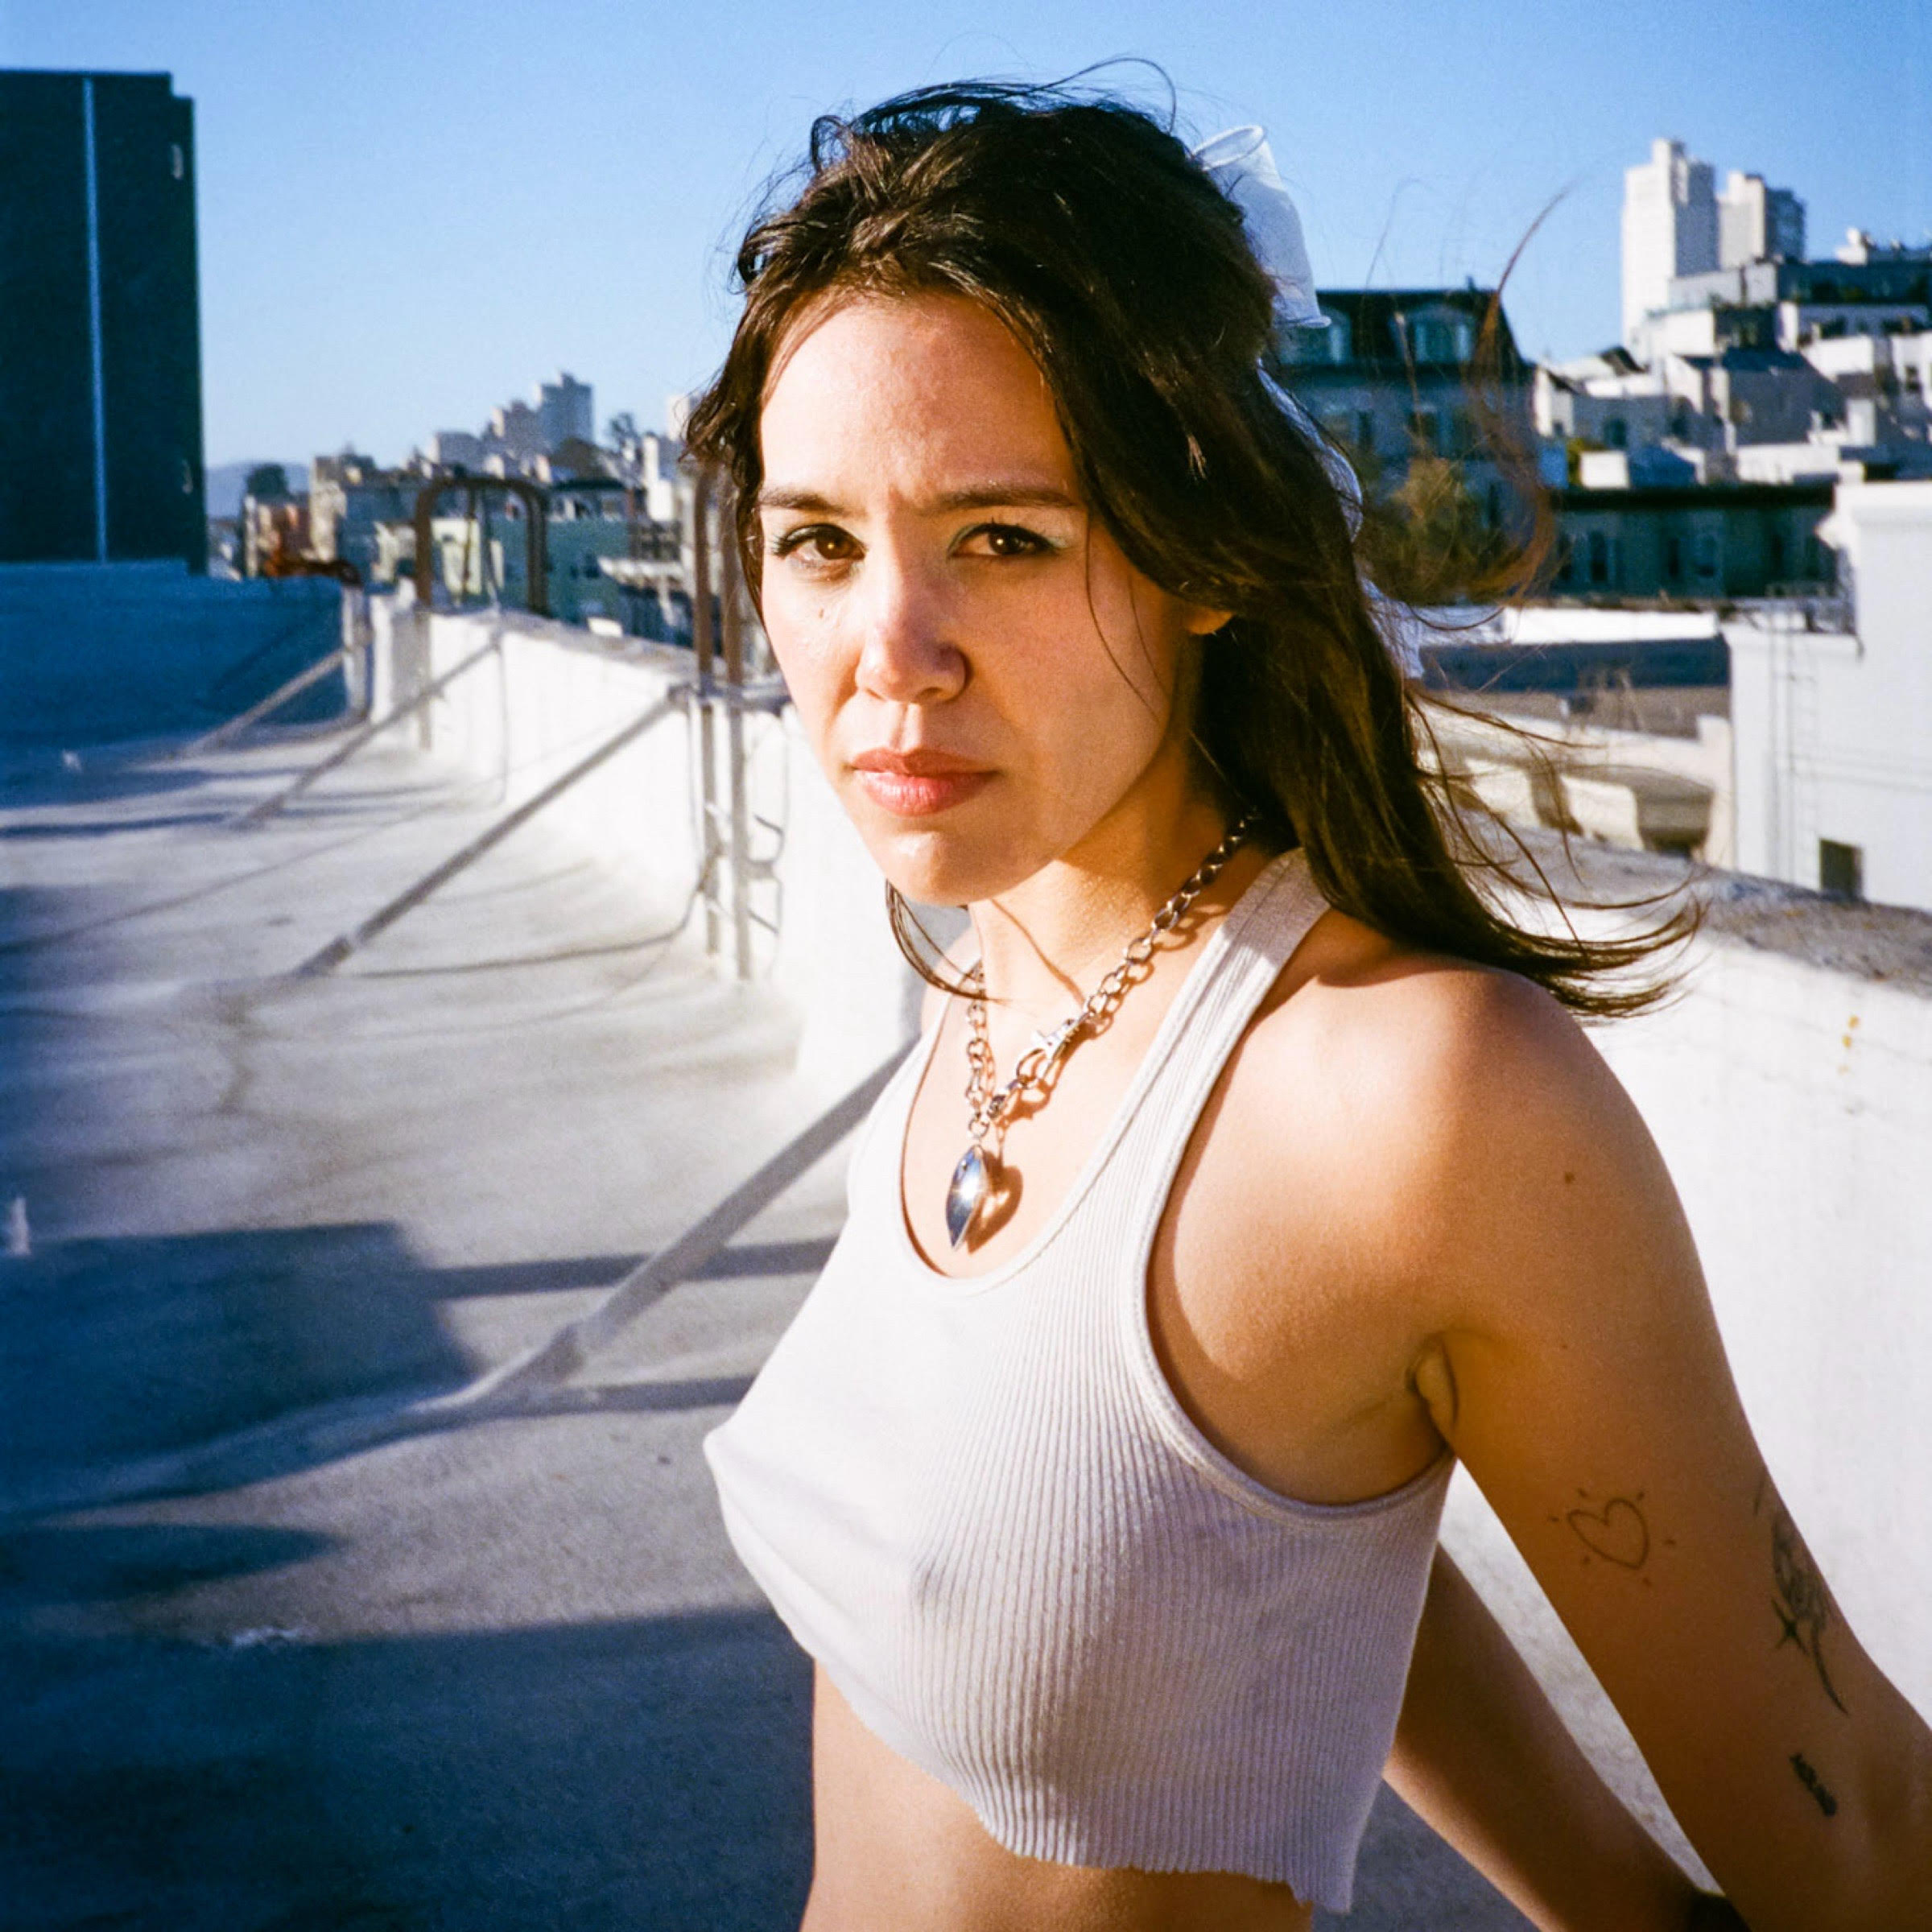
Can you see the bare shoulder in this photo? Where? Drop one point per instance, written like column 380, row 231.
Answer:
column 1466, row 1099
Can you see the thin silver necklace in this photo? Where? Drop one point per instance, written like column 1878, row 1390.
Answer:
column 976, row 1176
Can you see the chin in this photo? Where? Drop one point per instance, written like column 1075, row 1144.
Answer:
column 943, row 866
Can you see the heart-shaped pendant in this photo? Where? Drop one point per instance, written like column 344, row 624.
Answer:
column 971, row 1182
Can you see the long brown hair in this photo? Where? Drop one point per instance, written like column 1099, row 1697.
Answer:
column 1087, row 229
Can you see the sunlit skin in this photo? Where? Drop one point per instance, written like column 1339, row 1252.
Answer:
column 1416, row 1209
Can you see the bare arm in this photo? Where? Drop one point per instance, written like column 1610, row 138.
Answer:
column 1582, row 1380
column 1482, row 1758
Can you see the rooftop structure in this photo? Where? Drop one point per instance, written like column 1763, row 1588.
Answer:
column 1758, row 224
column 1834, row 772
column 519, row 436
column 1670, row 229
column 100, row 321
column 1402, row 373
column 336, row 1516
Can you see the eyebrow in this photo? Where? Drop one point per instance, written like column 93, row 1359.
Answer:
column 984, row 496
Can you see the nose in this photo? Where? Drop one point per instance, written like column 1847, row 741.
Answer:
column 907, row 652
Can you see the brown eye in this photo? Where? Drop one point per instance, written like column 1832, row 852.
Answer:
column 819, row 543
column 1008, row 540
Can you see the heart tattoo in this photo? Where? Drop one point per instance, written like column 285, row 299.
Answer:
column 1617, row 1532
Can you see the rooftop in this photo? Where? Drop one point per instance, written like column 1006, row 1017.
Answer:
column 505, row 1656
column 356, row 1619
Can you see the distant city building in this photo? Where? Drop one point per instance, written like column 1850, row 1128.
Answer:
column 516, row 432
column 519, row 435
column 456, row 449
column 1787, row 304
column 349, row 496
column 1758, row 224
column 274, row 530
column 573, row 457
column 564, row 411
column 1742, row 362
column 1399, row 372
column 1833, row 759
column 1670, row 229
column 1641, row 539
column 481, row 557
column 1859, row 250
column 99, row 325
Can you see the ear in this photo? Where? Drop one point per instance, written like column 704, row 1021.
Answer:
column 1203, row 622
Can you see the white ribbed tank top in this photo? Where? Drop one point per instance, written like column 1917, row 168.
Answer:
column 978, row 1504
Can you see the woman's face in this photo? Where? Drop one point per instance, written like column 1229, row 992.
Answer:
column 986, row 679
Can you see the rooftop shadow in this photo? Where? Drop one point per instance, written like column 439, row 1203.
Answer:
column 117, row 1349
column 647, row 1774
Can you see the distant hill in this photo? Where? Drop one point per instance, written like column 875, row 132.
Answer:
column 225, row 481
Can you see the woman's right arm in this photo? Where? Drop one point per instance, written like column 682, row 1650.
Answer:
column 1480, row 1755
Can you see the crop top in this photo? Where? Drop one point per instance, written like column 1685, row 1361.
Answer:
column 979, row 1505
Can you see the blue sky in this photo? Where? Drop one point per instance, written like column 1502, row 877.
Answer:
column 413, row 209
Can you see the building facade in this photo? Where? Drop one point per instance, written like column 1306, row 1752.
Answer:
column 1758, row 224
column 1833, row 762
column 564, row 409
column 1670, row 229
column 349, row 495
column 1399, row 372
column 1707, row 543
column 100, row 322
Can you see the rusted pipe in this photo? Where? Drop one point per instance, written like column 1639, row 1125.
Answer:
column 536, row 533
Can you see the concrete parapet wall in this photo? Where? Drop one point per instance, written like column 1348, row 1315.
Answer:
column 1793, row 1101
column 551, row 693
column 1790, row 1087
column 94, row 652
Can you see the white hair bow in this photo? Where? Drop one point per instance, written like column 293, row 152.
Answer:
column 1242, row 166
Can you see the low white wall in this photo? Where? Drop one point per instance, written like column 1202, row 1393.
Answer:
column 550, row 694
column 1793, row 1104
column 1792, row 1098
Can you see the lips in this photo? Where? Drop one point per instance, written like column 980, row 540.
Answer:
column 915, row 784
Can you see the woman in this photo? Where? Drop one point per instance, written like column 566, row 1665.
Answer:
column 1251, row 1169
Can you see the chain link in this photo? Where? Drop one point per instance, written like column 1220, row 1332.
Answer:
column 987, row 1106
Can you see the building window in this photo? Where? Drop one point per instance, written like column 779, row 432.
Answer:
column 1841, row 869
column 1674, row 558
column 1365, row 430
column 1439, row 338
column 1424, row 431
column 1706, row 555
column 1616, row 434
column 1600, row 558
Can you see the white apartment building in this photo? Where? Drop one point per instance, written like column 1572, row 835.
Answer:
column 519, row 433
column 1670, row 229
column 1832, row 723
column 1758, row 224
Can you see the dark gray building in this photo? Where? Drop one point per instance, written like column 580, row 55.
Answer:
column 100, row 457
column 1399, row 372
column 1702, row 542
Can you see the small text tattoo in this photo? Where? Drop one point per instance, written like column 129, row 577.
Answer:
column 1799, row 1597
column 1813, row 1783
column 1615, row 1529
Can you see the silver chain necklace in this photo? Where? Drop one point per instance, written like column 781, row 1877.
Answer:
column 976, row 1176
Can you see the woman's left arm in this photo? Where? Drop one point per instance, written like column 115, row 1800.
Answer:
column 1580, row 1375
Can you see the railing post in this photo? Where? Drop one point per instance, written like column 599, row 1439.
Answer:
column 703, row 649
column 731, row 603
